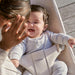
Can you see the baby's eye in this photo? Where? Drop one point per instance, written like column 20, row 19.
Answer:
column 35, row 22
column 28, row 22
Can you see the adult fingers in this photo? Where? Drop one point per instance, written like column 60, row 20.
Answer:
column 17, row 18
column 6, row 27
column 19, row 39
column 19, row 24
column 21, row 31
column 22, row 37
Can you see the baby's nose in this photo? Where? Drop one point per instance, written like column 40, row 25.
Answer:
column 31, row 24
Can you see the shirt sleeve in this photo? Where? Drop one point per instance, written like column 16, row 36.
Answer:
column 59, row 38
column 17, row 51
column 3, row 55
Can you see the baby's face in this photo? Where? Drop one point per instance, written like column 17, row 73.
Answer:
column 35, row 24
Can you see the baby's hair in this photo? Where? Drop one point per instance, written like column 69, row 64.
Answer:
column 38, row 8
column 13, row 7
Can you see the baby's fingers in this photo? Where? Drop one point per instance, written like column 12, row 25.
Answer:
column 71, row 42
column 71, row 45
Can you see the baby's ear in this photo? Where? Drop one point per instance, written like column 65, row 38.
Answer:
column 45, row 27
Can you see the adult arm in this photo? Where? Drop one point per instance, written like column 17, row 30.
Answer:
column 3, row 56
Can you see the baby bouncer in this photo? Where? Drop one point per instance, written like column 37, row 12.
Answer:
column 39, row 63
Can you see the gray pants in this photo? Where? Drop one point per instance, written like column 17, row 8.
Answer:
column 59, row 68
column 26, row 73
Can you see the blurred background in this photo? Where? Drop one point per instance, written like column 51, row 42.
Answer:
column 67, row 11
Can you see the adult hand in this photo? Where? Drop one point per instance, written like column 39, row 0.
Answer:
column 13, row 35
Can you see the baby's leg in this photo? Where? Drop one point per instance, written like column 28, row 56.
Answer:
column 26, row 73
column 15, row 62
column 59, row 68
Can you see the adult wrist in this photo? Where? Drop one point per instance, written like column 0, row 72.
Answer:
column 3, row 46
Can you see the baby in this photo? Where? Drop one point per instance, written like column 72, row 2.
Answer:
column 38, row 37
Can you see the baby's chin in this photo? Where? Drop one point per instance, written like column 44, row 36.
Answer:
column 30, row 35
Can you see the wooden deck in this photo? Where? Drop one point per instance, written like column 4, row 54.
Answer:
column 67, row 11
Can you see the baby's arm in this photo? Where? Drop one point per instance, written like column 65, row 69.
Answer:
column 59, row 38
column 16, row 53
column 71, row 42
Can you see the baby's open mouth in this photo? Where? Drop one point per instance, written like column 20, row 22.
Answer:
column 31, row 30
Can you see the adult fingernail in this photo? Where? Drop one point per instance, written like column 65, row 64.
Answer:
column 18, row 15
column 23, row 17
column 25, row 24
column 9, row 23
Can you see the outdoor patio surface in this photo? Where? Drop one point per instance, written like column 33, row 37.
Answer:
column 67, row 11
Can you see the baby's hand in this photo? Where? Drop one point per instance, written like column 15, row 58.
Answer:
column 15, row 62
column 71, row 42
